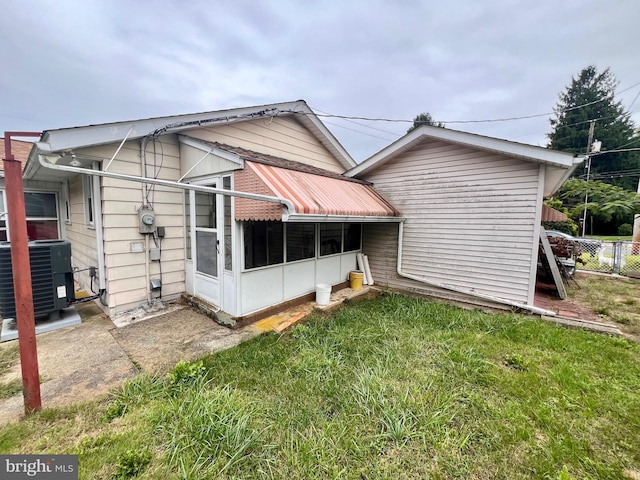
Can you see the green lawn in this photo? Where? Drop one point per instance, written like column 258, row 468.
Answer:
column 610, row 238
column 615, row 299
column 392, row 387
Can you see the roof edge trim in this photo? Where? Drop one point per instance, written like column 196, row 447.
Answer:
column 497, row 145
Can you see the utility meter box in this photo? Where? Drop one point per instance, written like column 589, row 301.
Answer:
column 147, row 220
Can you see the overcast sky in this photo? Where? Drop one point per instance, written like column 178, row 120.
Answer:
column 69, row 63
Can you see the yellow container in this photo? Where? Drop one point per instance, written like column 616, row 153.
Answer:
column 355, row 279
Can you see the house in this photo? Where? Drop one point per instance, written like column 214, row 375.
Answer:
column 243, row 208
column 40, row 198
column 473, row 208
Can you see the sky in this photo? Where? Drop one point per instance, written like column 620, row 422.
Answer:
column 71, row 63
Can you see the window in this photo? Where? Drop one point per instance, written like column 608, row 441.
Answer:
column 66, row 202
column 263, row 241
column 263, row 244
column 3, row 219
column 42, row 215
column 301, row 241
column 206, row 247
column 352, row 236
column 205, row 210
column 330, row 238
column 87, row 191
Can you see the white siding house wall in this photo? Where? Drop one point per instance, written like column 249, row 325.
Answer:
column 282, row 137
column 471, row 220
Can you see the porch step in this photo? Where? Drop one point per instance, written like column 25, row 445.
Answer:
column 211, row 311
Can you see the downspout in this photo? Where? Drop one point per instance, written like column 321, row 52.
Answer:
column 97, row 223
column 144, row 191
column 531, row 308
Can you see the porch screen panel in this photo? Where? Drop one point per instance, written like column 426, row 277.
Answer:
column 301, row 241
column 330, row 238
column 263, row 244
column 352, row 236
column 206, row 252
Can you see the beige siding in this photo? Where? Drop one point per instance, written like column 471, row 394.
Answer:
column 470, row 219
column 380, row 243
column 281, row 136
column 126, row 274
column 210, row 165
column 81, row 236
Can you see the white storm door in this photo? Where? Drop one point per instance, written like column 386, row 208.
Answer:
column 207, row 256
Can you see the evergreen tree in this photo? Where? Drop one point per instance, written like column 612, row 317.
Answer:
column 591, row 96
column 424, row 119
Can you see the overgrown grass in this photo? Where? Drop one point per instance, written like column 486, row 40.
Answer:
column 393, row 387
column 611, row 238
column 9, row 357
column 616, row 300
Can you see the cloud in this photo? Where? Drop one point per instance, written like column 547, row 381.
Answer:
column 72, row 63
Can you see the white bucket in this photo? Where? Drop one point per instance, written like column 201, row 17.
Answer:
column 323, row 293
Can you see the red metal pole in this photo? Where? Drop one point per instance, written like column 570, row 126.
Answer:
column 22, row 276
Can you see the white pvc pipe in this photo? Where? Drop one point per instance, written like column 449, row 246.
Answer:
column 360, row 264
column 367, row 270
column 168, row 183
column 531, row 308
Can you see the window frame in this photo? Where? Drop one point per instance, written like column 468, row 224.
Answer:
column 88, row 201
column 285, row 240
column 31, row 218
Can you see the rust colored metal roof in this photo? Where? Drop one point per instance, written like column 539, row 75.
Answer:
column 552, row 215
column 311, row 194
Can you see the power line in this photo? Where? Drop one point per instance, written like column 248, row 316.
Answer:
column 617, row 151
column 491, row 120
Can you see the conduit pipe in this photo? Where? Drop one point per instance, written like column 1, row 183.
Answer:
column 97, row 223
column 291, row 209
column 531, row 308
column 144, row 190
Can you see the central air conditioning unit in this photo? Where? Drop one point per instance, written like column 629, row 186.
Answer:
column 51, row 277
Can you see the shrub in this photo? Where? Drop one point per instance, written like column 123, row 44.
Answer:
column 625, row 230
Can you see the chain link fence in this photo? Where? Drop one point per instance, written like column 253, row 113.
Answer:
column 621, row 257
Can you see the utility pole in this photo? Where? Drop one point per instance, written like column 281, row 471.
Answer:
column 592, row 125
column 22, row 275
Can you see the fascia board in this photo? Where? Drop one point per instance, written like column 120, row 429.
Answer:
column 496, row 145
column 100, row 134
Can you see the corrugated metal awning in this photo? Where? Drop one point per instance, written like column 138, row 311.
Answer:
column 315, row 197
column 552, row 215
